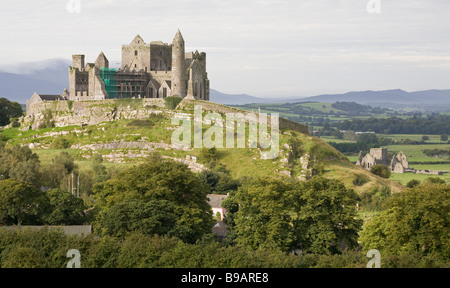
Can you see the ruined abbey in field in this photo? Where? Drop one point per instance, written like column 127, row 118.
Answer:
column 148, row 70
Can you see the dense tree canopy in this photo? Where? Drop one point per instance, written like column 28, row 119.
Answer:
column 415, row 221
column 8, row 110
column 19, row 162
column 316, row 216
column 156, row 183
column 64, row 208
column 436, row 124
column 219, row 180
column 21, row 203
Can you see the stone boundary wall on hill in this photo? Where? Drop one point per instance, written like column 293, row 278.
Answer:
column 66, row 113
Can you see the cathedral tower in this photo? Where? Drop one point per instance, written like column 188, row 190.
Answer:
column 178, row 66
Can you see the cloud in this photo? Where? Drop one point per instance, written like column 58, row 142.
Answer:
column 259, row 46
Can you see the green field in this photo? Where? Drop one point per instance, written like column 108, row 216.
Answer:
column 415, row 152
column 406, row 177
column 333, row 139
column 418, row 160
column 413, row 137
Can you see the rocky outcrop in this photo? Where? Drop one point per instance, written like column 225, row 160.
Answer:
column 150, row 146
column 305, row 172
column 66, row 113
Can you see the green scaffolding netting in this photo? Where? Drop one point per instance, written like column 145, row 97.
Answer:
column 108, row 77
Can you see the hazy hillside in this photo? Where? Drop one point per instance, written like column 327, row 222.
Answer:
column 388, row 98
column 235, row 99
column 437, row 97
column 20, row 82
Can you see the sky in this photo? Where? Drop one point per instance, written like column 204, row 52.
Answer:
column 264, row 48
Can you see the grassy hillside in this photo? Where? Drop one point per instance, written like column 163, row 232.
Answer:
column 127, row 142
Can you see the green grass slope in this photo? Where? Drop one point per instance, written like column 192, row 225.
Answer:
column 127, row 142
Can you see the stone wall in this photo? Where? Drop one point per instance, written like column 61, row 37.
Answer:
column 211, row 106
column 68, row 230
column 66, row 113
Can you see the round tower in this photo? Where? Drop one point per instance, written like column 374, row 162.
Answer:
column 178, row 69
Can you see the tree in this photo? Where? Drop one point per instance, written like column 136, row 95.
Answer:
column 315, row 216
column 444, row 137
column 158, row 180
column 324, row 216
column 208, row 155
column 99, row 169
column 8, row 110
column 155, row 217
column 263, row 220
column 64, row 209
column 67, row 161
column 21, row 163
column 57, row 171
column 26, row 171
column 21, row 203
column 338, row 134
column 60, row 143
column 415, row 221
column 219, row 179
column 381, row 170
column 367, row 138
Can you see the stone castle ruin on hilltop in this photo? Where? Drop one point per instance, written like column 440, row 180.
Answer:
column 148, row 70
column 398, row 164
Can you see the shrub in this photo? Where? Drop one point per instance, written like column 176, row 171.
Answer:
column 14, row 123
column 376, row 198
column 381, row 170
column 70, row 104
column 172, row 102
column 208, row 155
column 360, row 180
column 141, row 123
column 434, row 180
column 60, row 143
column 47, row 121
column 412, row 183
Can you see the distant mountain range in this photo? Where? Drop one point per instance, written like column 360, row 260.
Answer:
column 46, row 77
column 384, row 98
column 18, row 83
